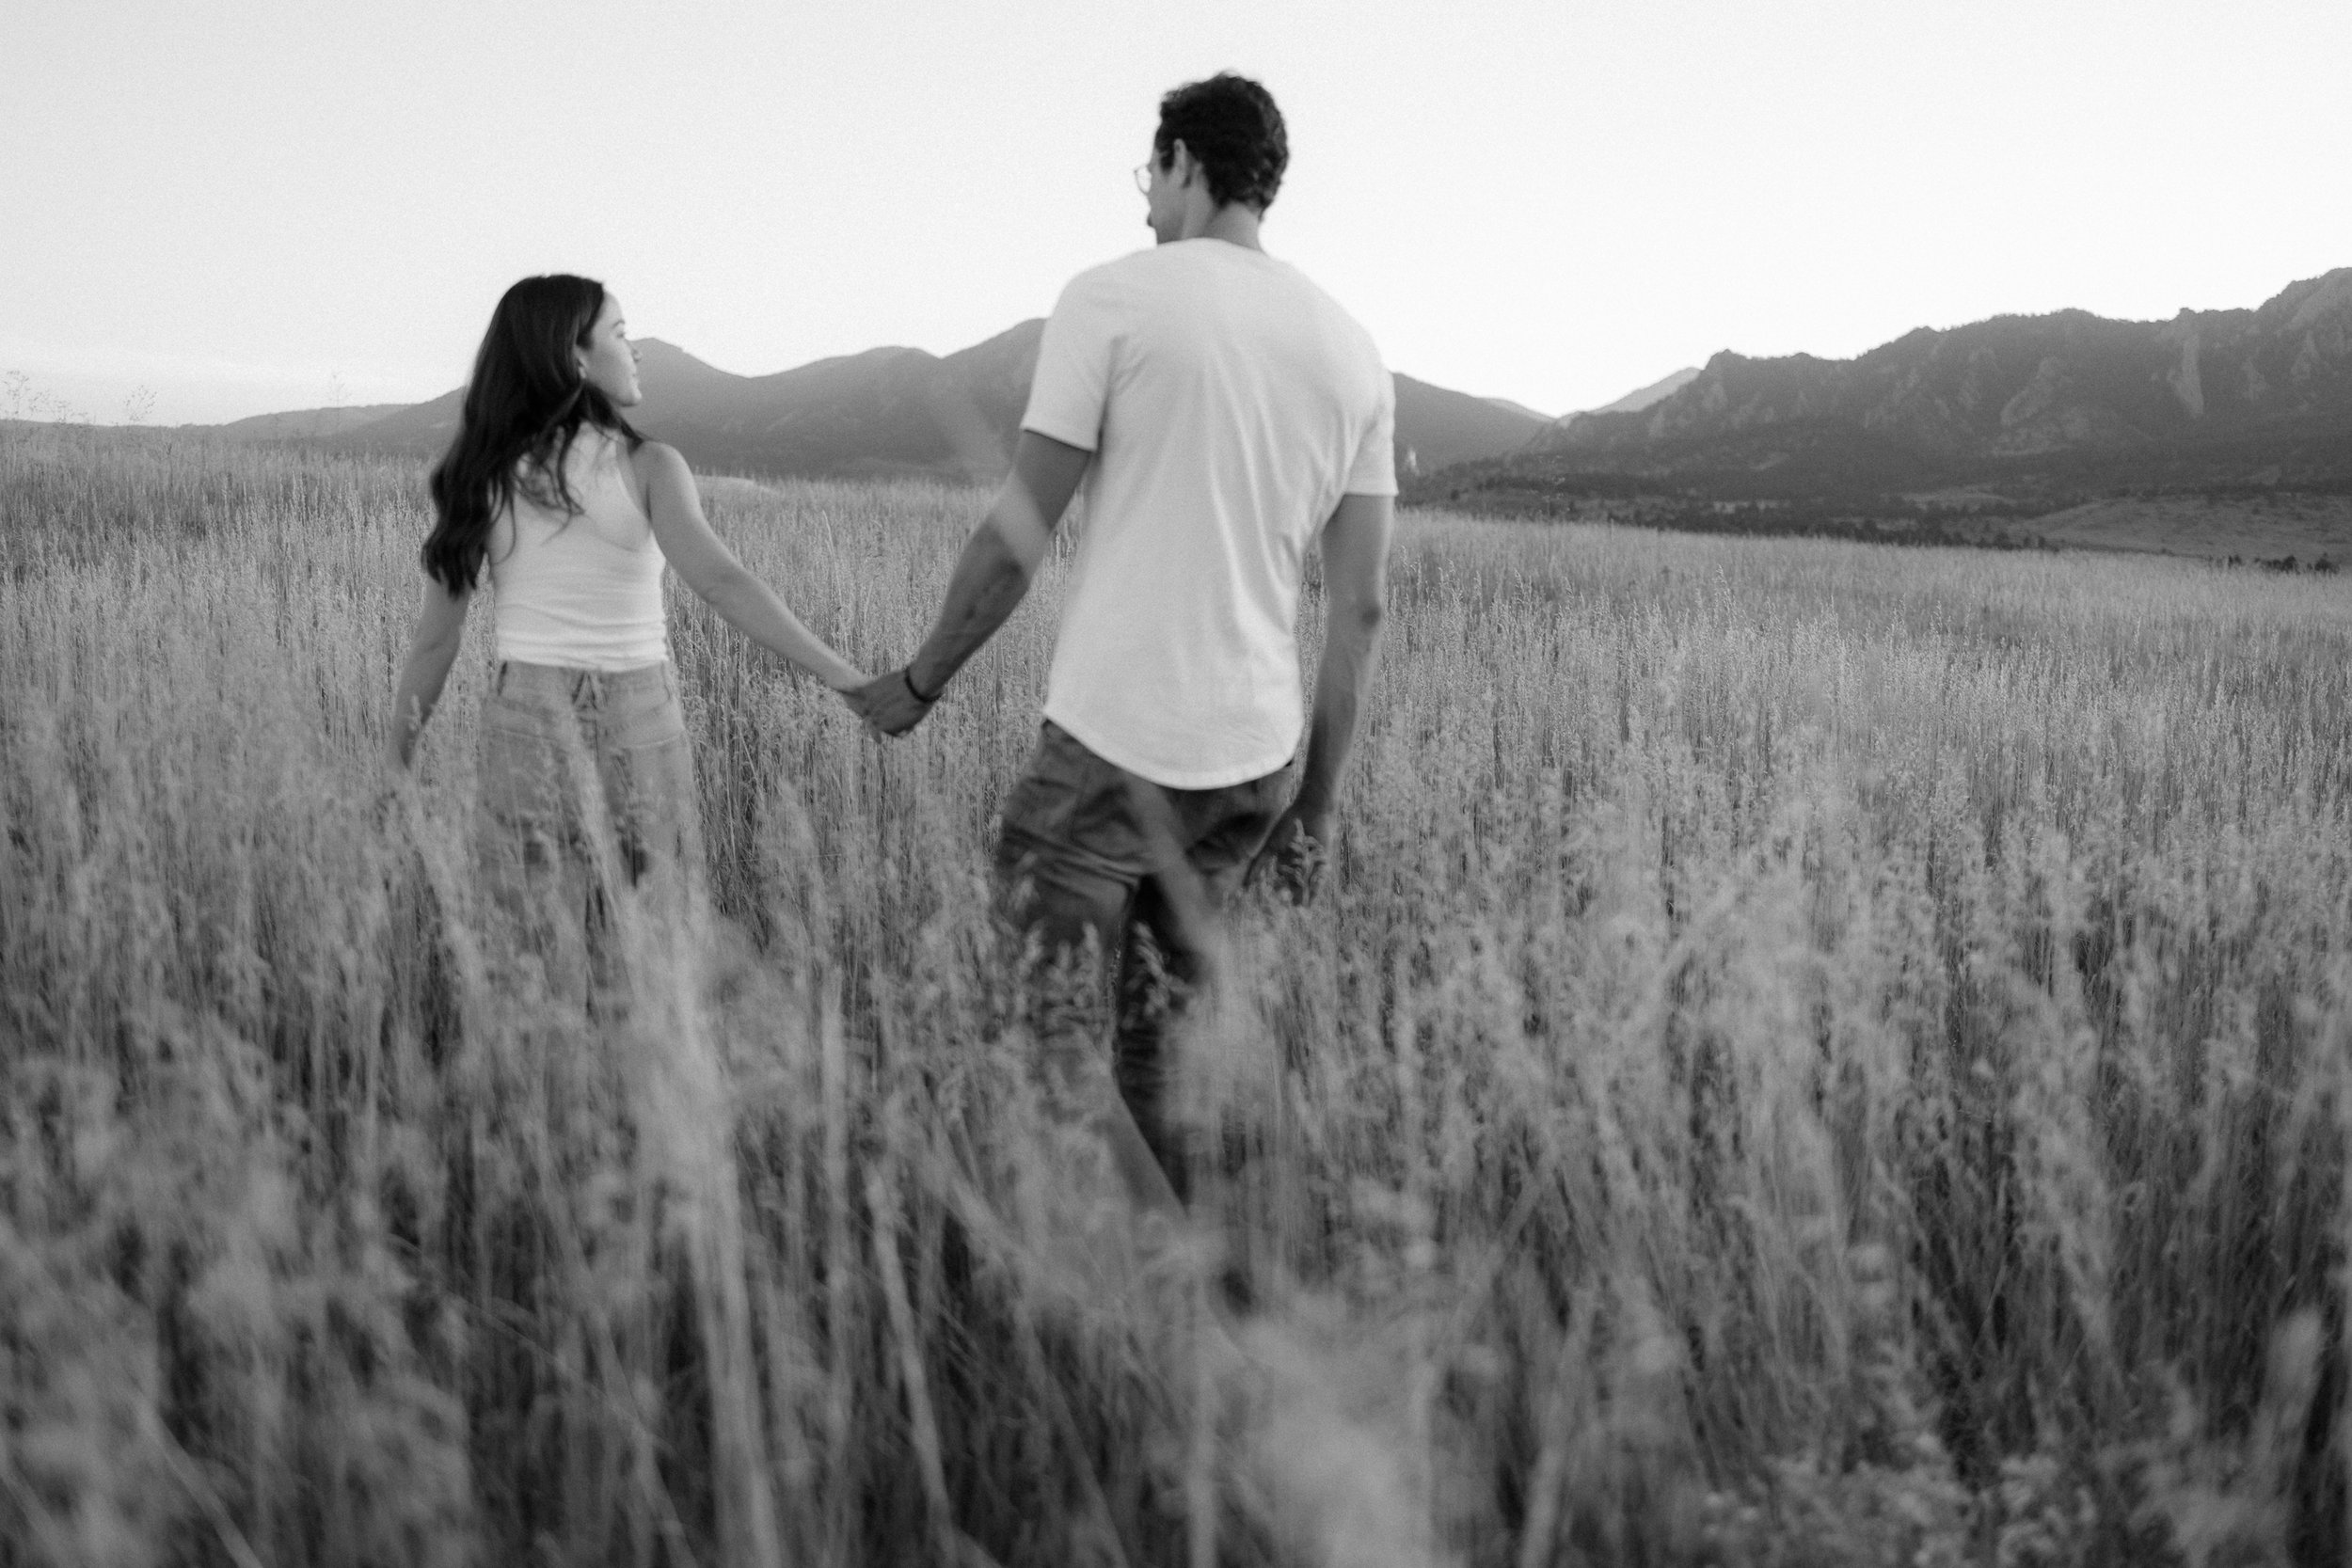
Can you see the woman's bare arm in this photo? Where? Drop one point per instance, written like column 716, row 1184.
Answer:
column 440, row 627
column 703, row 559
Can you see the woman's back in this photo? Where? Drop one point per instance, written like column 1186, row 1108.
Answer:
column 585, row 590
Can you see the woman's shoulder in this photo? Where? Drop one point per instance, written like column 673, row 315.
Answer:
column 657, row 461
column 650, row 456
column 654, row 466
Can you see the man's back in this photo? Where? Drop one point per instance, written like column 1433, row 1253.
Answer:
column 1224, row 412
column 1230, row 403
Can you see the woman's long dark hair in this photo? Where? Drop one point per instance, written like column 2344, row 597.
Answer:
column 525, row 403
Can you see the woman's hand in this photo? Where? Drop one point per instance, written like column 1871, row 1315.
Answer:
column 847, row 677
column 889, row 705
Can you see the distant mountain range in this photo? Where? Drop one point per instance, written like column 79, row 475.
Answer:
column 1994, row 424
column 2027, row 413
column 888, row 411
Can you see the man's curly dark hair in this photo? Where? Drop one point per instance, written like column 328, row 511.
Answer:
column 1231, row 125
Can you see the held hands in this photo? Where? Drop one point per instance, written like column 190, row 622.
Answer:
column 1294, row 856
column 888, row 704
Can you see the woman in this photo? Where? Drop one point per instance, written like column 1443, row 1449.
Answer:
column 587, row 785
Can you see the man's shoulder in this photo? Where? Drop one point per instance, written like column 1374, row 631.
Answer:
column 1207, row 288
column 1183, row 264
column 1338, row 312
column 1109, row 278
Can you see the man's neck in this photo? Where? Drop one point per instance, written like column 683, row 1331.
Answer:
column 1234, row 223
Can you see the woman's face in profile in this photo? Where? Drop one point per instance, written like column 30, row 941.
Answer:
column 607, row 362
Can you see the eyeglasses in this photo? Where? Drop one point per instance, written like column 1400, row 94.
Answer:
column 1143, row 176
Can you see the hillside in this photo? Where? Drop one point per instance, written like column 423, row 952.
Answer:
column 887, row 411
column 902, row 411
column 1437, row 428
column 1656, row 392
column 303, row 423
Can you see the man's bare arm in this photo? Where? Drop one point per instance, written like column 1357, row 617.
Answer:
column 991, row 578
column 1001, row 557
column 1356, row 590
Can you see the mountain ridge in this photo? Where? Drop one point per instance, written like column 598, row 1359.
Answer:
column 1641, row 398
column 897, row 411
column 2258, row 396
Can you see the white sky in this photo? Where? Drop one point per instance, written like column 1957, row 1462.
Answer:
column 249, row 205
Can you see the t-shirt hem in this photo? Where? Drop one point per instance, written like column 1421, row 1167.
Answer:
column 1171, row 777
column 1084, row 440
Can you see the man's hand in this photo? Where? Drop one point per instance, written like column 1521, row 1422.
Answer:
column 1294, row 856
column 888, row 704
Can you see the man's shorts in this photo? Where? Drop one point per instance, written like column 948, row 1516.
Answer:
column 1072, row 815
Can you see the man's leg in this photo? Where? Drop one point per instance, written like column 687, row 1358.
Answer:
column 1169, row 954
column 1165, row 959
column 1062, row 922
column 1068, row 861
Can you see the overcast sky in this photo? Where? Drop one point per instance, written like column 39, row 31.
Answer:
column 249, row 205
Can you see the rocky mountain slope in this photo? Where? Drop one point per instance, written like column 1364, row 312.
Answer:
column 2057, row 405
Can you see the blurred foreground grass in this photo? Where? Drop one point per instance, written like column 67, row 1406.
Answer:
column 1811, row 1054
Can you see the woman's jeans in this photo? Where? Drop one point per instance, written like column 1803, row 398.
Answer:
column 588, row 807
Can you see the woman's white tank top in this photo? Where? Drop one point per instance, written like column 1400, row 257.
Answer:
column 583, row 591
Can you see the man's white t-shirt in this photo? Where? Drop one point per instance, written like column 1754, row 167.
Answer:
column 1230, row 404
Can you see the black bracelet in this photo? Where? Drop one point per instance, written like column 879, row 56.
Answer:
column 907, row 676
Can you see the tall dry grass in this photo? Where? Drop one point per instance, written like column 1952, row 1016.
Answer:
column 1809, row 1054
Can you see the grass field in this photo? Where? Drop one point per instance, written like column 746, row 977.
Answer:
column 2309, row 529
column 1810, row 1053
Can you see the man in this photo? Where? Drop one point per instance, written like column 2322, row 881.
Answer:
column 1224, row 411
